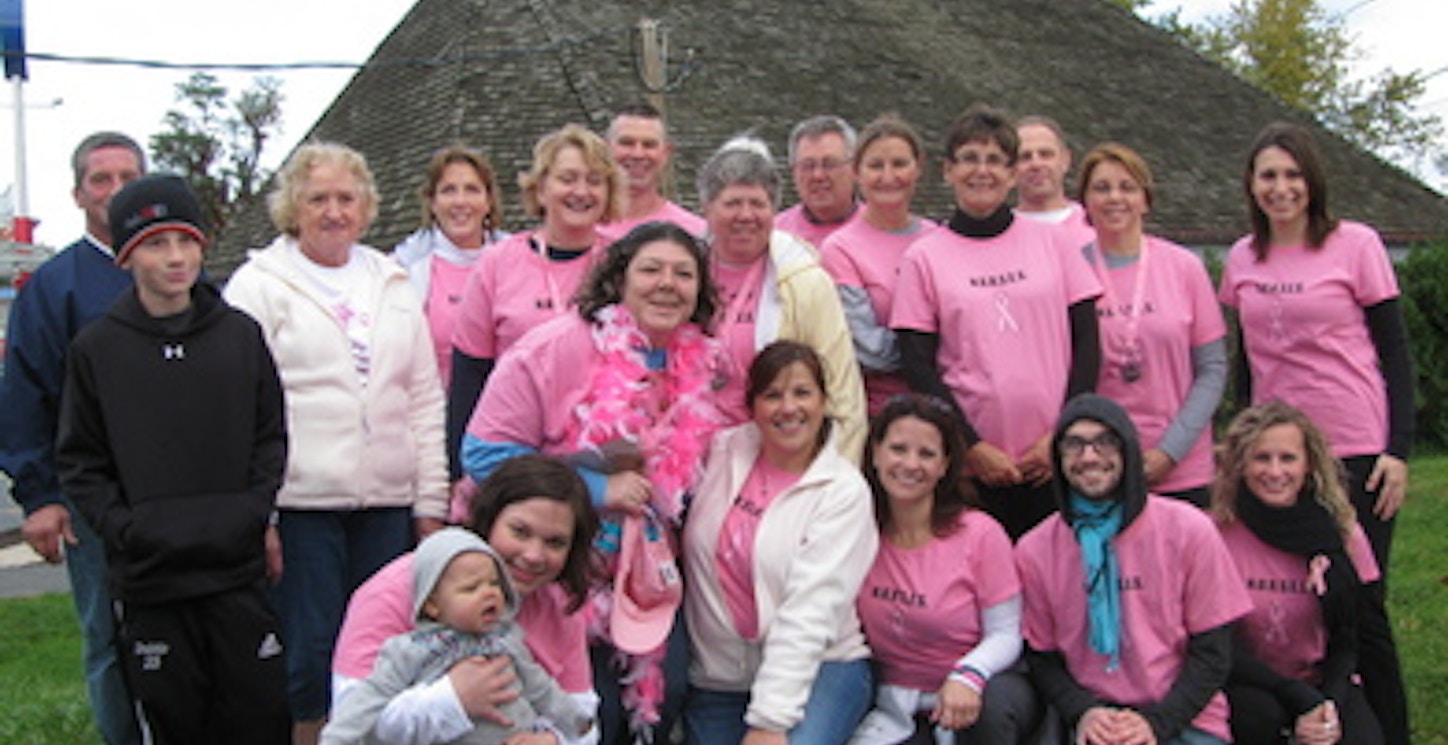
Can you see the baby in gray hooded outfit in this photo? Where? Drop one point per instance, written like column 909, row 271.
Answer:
column 464, row 604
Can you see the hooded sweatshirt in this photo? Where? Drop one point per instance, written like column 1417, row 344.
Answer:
column 426, row 653
column 172, row 445
column 1178, row 587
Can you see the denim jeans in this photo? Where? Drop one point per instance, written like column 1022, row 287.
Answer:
column 110, row 698
column 841, row 694
column 325, row 556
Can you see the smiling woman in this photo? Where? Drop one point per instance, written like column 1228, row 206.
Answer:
column 623, row 388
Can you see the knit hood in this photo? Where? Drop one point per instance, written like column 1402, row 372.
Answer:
column 1132, row 489
column 434, row 554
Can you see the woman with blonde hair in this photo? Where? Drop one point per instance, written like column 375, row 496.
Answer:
column 366, row 470
column 1283, row 512
column 531, row 277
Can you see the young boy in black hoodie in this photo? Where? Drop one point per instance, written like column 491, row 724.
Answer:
column 172, row 445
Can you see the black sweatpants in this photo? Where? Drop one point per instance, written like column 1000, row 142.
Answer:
column 1258, row 718
column 207, row 670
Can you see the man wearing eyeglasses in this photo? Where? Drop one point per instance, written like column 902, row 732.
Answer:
column 1129, row 598
column 821, row 158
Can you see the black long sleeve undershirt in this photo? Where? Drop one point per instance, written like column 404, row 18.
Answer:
column 469, row 375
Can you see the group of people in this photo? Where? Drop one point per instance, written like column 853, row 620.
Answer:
column 839, row 473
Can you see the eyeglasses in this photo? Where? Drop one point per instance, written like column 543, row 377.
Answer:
column 828, row 165
column 974, row 159
column 1106, row 443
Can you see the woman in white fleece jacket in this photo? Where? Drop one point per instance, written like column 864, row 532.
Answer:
column 779, row 537
column 366, row 463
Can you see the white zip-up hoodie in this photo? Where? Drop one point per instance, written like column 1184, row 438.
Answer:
column 816, row 542
column 351, row 447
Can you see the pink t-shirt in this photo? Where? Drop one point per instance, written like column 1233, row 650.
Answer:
column 863, row 256
column 1000, row 306
column 1072, row 225
column 382, row 608
column 512, row 289
column 921, row 607
column 444, row 298
column 735, row 326
column 1176, row 580
column 735, row 551
column 1285, row 629
column 1179, row 311
column 530, row 397
column 668, row 212
column 1307, row 335
column 793, row 220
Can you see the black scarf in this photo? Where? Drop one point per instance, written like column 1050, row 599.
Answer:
column 1307, row 529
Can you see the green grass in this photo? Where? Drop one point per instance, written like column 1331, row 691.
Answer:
column 42, row 697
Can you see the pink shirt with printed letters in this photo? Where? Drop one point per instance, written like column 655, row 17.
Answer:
column 513, row 288
column 921, row 607
column 1179, row 311
column 1306, row 333
column 1176, row 580
column 1000, row 307
column 1285, row 630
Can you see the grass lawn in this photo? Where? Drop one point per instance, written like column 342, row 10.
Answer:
column 43, row 700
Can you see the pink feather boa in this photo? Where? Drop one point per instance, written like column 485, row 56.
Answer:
column 670, row 415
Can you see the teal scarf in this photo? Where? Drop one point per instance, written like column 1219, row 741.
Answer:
column 1096, row 523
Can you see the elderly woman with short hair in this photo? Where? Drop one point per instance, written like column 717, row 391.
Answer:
column 772, row 287
column 364, row 405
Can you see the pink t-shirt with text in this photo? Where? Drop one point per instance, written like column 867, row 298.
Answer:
column 735, row 551
column 1285, row 630
column 1176, row 580
column 531, row 395
column 1179, row 312
column 921, row 608
column 382, row 608
column 1000, row 307
column 513, row 288
column 740, row 288
column 1307, row 336
column 863, row 256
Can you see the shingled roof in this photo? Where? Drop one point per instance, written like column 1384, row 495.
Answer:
column 498, row 73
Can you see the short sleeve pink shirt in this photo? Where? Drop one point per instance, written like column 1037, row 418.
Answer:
column 793, row 220
column 921, row 608
column 1074, row 229
column 1000, row 306
column 1306, row 333
column 530, row 397
column 863, row 256
column 514, row 287
column 1176, row 580
column 669, row 212
column 1285, row 630
column 1179, row 311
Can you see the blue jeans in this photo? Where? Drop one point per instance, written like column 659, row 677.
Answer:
column 110, row 699
column 325, row 556
column 841, row 694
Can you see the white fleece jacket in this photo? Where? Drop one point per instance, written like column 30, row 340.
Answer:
column 816, row 542
column 351, row 447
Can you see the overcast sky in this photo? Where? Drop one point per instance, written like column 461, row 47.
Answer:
column 1404, row 34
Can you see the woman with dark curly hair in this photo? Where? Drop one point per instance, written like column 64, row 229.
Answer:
column 625, row 390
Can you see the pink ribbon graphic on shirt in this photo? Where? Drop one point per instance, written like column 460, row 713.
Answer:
column 1317, row 574
column 1004, row 320
column 1275, row 327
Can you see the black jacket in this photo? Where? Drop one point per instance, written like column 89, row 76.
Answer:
column 172, row 445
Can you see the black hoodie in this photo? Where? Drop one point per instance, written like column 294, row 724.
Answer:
column 172, row 445
column 1209, row 654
